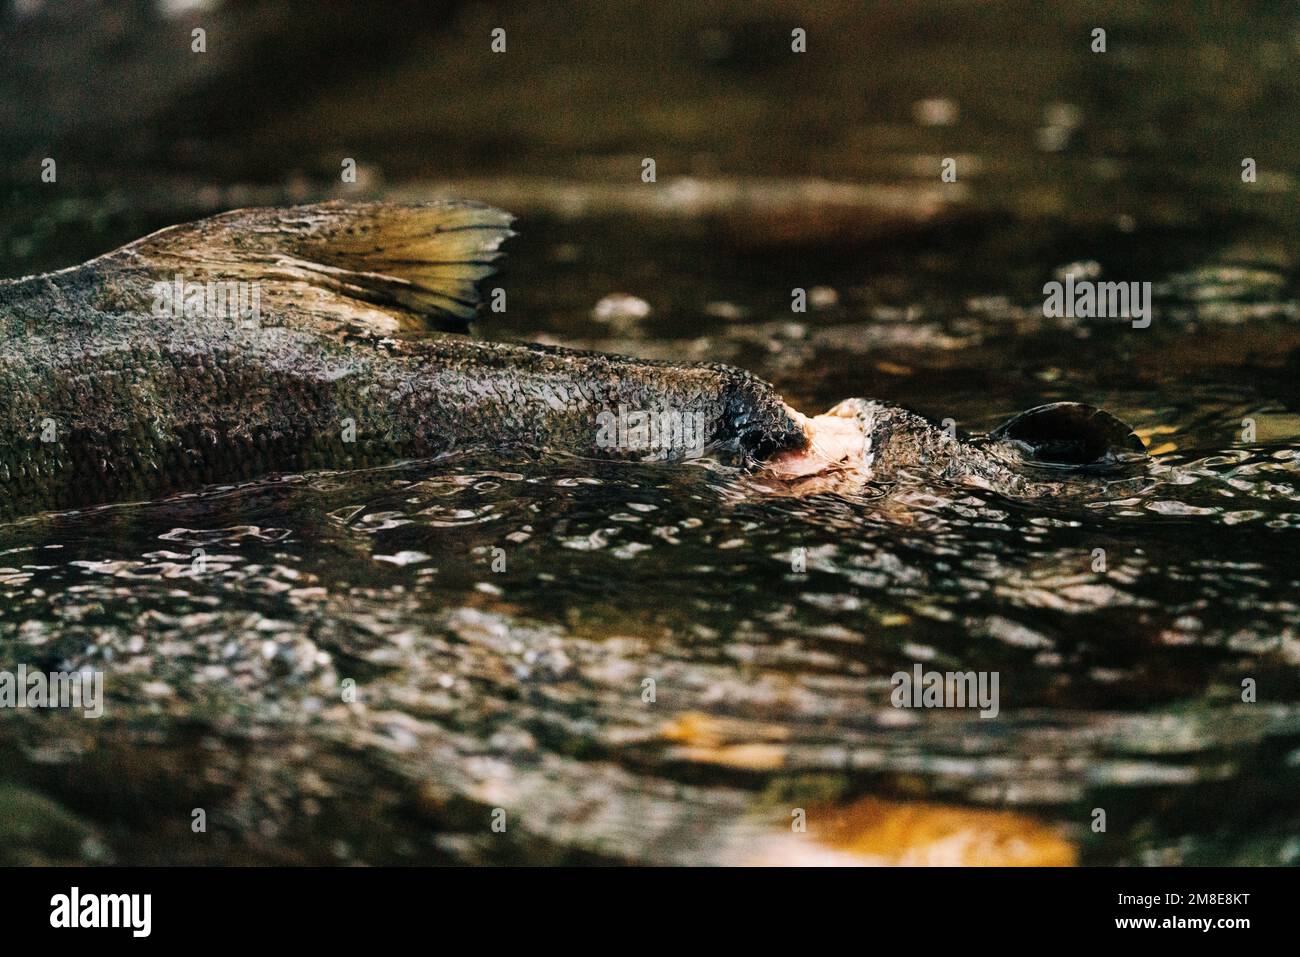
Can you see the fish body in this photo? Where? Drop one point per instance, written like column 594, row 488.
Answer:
column 107, row 399
column 119, row 382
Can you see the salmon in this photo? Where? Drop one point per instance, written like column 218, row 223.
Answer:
column 333, row 336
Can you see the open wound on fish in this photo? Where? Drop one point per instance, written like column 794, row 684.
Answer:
column 835, row 443
column 368, row 267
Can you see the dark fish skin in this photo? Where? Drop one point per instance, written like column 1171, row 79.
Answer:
column 135, row 416
column 104, row 401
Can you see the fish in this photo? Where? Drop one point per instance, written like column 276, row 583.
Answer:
column 336, row 335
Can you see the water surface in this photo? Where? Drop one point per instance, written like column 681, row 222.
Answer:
column 372, row 666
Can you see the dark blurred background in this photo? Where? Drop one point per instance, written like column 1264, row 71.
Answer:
column 142, row 127
column 775, row 169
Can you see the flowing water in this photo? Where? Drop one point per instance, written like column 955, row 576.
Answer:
column 499, row 617
column 657, row 663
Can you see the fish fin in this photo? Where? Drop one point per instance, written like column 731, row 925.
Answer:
column 417, row 264
column 1069, row 435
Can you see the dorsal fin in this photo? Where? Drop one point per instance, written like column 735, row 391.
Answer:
column 418, row 265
